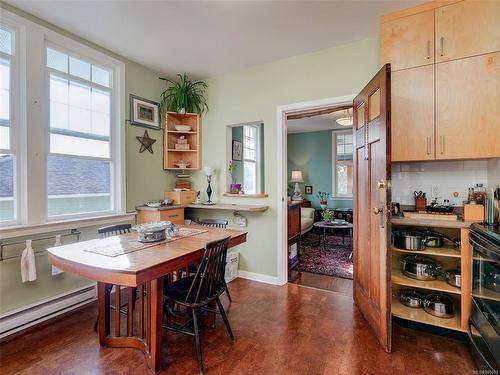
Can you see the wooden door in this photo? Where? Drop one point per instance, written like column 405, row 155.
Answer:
column 412, row 107
column 468, row 108
column 372, row 171
column 408, row 42
column 467, row 28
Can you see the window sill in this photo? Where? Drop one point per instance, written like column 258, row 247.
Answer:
column 341, row 198
column 29, row 230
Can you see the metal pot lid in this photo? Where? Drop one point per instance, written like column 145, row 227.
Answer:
column 437, row 298
column 412, row 294
column 419, row 259
column 409, row 233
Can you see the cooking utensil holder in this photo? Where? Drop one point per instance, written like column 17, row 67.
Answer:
column 420, row 204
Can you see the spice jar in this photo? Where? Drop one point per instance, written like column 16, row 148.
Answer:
column 480, row 194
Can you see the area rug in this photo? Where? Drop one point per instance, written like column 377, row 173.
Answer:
column 334, row 261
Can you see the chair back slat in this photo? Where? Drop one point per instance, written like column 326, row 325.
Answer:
column 113, row 230
column 208, row 281
column 214, row 223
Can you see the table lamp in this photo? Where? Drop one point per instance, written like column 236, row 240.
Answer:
column 297, row 178
column 209, row 172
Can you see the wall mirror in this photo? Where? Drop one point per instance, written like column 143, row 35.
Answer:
column 245, row 159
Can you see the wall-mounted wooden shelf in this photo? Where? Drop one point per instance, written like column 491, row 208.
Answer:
column 419, row 315
column 171, row 155
column 230, row 207
column 245, row 195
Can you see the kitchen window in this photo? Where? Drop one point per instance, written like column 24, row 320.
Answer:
column 342, row 166
column 250, row 159
column 71, row 114
column 9, row 83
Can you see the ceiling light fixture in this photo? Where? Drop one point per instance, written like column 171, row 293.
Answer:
column 346, row 120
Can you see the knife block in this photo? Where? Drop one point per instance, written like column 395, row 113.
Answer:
column 474, row 212
column 420, row 204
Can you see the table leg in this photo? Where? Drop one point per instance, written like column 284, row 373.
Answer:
column 156, row 306
column 324, row 238
column 103, row 302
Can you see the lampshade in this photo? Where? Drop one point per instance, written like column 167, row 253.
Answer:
column 297, row 176
column 346, row 120
column 208, row 171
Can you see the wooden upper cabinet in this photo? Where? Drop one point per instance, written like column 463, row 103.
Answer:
column 408, row 42
column 467, row 28
column 468, row 108
column 412, row 106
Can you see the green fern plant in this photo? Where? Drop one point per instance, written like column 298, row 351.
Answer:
column 184, row 95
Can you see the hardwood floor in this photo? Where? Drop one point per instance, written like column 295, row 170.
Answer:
column 330, row 283
column 279, row 330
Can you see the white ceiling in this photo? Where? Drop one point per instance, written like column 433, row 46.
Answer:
column 206, row 38
column 317, row 123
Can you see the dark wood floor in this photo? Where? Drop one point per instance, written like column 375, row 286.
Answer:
column 279, row 330
column 330, row 283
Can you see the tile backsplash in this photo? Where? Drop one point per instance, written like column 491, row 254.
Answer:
column 440, row 179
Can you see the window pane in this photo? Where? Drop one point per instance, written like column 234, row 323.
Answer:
column 344, row 177
column 6, row 41
column 7, row 201
column 4, row 74
column 76, row 145
column 4, row 137
column 57, row 60
column 78, row 186
column 249, row 178
column 100, row 124
column 79, row 68
column 79, row 95
column 59, row 89
column 58, row 115
column 100, row 101
column 100, row 76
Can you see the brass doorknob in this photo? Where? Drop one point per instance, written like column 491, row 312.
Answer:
column 377, row 210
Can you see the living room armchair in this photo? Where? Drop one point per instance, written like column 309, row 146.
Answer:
column 306, row 219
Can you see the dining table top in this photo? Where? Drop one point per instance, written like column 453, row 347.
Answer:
column 141, row 265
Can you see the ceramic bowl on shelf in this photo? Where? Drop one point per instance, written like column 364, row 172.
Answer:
column 182, row 164
column 183, row 128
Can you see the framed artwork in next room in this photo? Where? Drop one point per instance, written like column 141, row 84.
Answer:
column 144, row 112
column 237, row 150
column 308, row 189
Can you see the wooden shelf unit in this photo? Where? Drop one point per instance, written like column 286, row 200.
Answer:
column 449, row 257
column 170, row 154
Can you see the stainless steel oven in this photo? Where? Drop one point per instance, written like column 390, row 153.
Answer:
column 484, row 324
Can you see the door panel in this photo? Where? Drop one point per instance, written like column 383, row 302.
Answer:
column 408, row 42
column 412, row 108
column 467, row 28
column 371, row 205
column 468, row 108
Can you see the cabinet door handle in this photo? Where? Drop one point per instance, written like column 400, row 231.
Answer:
column 428, row 50
column 441, row 42
column 441, row 141
column 428, row 145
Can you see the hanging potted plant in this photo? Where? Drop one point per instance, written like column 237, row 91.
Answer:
column 184, row 96
column 234, row 188
column 323, row 199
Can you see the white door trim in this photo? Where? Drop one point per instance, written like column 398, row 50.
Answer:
column 281, row 191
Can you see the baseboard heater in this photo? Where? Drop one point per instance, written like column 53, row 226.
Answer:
column 27, row 316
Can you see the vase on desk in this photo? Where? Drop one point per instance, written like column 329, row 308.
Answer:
column 235, row 188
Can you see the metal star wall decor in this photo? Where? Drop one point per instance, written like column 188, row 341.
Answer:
column 146, row 142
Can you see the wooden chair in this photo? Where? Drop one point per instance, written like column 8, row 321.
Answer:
column 197, row 291
column 215, row 223
column 114, row 230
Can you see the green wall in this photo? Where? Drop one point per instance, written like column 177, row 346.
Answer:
column 146, row 180
column 311, row 153
column 254, row 94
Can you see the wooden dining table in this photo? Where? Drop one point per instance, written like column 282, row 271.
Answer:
column 144, row 269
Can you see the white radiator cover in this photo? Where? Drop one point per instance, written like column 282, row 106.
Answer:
column 27, row 316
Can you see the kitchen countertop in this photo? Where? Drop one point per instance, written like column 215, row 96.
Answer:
column 218, row 206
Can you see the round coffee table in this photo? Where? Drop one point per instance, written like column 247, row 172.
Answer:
column 323, row 226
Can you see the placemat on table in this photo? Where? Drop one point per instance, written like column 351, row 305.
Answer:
column 126, row 245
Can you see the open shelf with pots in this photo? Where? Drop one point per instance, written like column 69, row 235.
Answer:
column 449, row 257
column 192, row 137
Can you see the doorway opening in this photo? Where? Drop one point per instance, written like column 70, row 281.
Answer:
column 317, row 183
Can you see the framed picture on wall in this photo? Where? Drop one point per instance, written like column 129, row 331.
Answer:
column 144, row 112
column 308, row 189
column 237, row 150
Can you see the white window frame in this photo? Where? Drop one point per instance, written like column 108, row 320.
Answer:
column 335, row 193
column 255, row 161
column 34, row 105
column 17, row 129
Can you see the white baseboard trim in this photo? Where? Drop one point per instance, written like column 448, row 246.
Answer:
column 258, row 277
column 27, row 316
